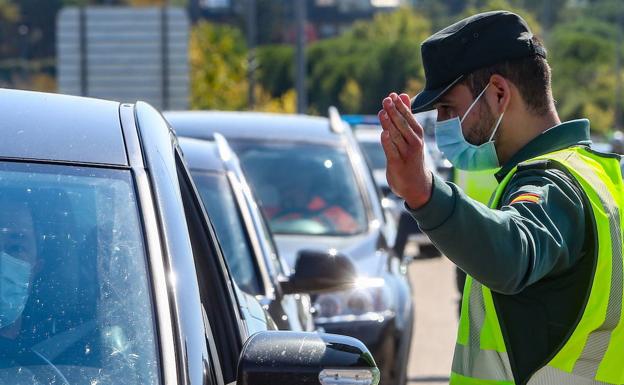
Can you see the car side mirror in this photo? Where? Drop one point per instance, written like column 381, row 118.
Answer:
column 320, row 271
column 285, row 357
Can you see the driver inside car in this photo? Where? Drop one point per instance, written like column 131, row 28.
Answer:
column 308, row 198
column 18, row 265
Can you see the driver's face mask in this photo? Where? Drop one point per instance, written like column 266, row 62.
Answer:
column 15, row 277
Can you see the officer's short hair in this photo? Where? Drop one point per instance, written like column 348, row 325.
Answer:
column 531, row 75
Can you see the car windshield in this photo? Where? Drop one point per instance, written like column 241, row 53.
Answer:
column 373, row 151
column 75, row 303
column 304, row 188
column 222, row 208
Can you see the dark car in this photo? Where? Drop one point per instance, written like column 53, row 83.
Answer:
column 317, row 193
column 244, row 236
column 110, row 272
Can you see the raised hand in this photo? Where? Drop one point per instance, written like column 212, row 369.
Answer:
column 402, row 139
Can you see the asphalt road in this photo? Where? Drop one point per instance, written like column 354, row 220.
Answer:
column 435, row 295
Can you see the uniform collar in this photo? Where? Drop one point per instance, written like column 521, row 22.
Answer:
column 566, row 134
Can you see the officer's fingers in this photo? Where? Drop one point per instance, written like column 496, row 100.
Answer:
column 399, row 121
column 392, row 154
column 395, row 134
column 384, row 119
column 406, row 99
column 407, row 114
column 399, row 142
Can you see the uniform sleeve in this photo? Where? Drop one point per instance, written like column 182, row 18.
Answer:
column 538, row 231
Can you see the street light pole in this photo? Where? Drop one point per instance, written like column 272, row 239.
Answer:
column 300, row 17
column 251, row 58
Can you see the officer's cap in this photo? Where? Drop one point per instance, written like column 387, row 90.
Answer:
column 476, row 42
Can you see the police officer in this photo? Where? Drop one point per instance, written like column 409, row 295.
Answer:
column 543, row 300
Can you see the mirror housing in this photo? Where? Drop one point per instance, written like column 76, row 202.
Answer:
column 320, row 271
column 285, row 357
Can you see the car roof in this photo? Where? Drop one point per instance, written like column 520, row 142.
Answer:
column 201, row 154
column 251, row 125
column 43, row 126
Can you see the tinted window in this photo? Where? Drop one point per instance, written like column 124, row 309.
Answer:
column 75, row 304
column 304, row 188
column 222, row 208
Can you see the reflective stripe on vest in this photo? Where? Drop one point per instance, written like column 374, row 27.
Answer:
column 594, row 352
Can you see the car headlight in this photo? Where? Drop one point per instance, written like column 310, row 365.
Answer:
column 370, row 299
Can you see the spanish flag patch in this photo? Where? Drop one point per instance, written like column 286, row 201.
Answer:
column 526, row 198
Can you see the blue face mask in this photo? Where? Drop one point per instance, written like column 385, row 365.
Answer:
column 14, row 286
column 462, row 154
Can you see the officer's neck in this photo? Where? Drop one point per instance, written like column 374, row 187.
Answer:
column 519, row 127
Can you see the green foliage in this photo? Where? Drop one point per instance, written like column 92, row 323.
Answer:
column 508, row 5
column 218, row 60
column 8, row 12
column 356, row 70
column 276, row 68
column 582, row 54
column 379, row 57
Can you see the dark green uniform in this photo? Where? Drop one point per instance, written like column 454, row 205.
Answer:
column 534, row 254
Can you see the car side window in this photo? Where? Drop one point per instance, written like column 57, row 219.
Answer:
column 216, row 292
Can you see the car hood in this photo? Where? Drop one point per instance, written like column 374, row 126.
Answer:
column 364, row 249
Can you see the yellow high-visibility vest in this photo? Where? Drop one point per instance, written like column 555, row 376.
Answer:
column 478, row 185
column 594, row 352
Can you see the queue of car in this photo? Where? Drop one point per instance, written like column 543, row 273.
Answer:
column 318, row 195
column 116, row 267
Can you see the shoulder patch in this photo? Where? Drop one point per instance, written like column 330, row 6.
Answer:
column 526, row 198
column 541, row 164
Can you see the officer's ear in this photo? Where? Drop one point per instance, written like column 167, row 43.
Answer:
column 499, row 93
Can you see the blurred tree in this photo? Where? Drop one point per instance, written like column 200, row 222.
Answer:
column 378, row 56
column 8, row 11
column 218, row 62
column 276, row 68
column 582, row 54
column 477, row 6
column 9, row 16
column 350, row 97
column 286, row 103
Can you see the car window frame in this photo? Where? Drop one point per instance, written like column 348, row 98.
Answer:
column 147, row 224
column 251, row 243
column 359, row 166
column 228, row 340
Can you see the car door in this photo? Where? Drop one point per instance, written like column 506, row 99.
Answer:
column 207, row 334
column 222, row 317
column 295, row 308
